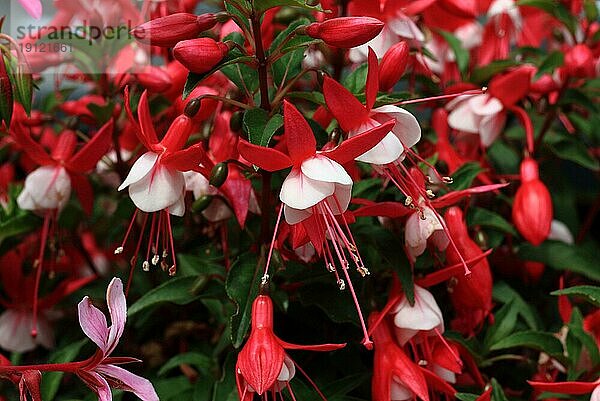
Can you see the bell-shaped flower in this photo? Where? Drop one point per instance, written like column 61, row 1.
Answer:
column 355, row 118
column 317, row 190
column 101, row 369
column 485, row 114
column 263, row 366
column 424, row 317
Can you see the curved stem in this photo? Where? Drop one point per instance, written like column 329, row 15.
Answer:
column 224, row 100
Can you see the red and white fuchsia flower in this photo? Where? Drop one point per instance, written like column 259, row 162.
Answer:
column 263, row 367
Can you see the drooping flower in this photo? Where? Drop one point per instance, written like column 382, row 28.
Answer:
column 263, row 367
column 317, row 190
column 102, row 369
column 156, row 182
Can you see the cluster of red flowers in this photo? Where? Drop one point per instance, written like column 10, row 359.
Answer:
column 400, row 139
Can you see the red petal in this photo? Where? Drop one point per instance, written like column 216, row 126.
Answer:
column 147, row 128
column 453, row 197
column 193, row 158
column 382, row 378
column 565, row 387
column 319, row 347
column 511, row 87
column 301, row 141
column 437, row 383
column 410, row 374
column 31, row 147
column 450, row 271
column 266, row 158
column 372, row 85
column 357, row 145
column 386, row 209
column 91, row 152
column 486, row 395
column 526, row 122
column 84, row 192
column 260, row 360
column 237, row 190
column 349, row 112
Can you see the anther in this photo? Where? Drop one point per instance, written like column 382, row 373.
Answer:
column 341, row 284
column 448, row 180
column 172, row 270
column 363, row 271
column 408, row 201
column 155, row 259
column 264, row 280
column 430, row 194
column 146, row 266
column 119, row 250
column 330, row 267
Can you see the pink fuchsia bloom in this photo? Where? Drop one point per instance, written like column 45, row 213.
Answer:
column 156, row 182
column 485, row 114
column 317, row 190
column 471, row 295
column 345, row 32
column 102, row 369
column 395, row 376
column 32, row 7
column 355, row 118
column 532, row 208
column 263, row 366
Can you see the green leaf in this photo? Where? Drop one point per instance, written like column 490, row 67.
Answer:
column 271, row 128
column 233, row 57
column 242, row 288
column 479, row 216
column 560, row 256
column 497, row 391
column 466, row 396
column 550, row 63
column 290, row 64
column 356, row 80
column 538, row 340
column 505, row 294
column 592, row 293
column 22, row 81
column 201, row 361
column 18, row 225
column 336, row 304
column 101, row 113
column 575, row 96
column 591, row 10
column 569, row 148
column 6, row 94
column 505, row 322
column 51, row 380
column 254, row 123
column 461, row 54
column 176, row 290
column 483, row 74
column 263, row 5
column 555, row 9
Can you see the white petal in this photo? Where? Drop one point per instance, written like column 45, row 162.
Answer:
column 560, row 232
column 300, row 192
column 444, row 374
column 424, row 315
column 490, row 127
column 198, row 184
column 322, row 168
column 485, row 105
column 339, row 201
column 295, row 216
column 15, row 331
column 403, row 26
column 178, row 208
column 388, row 150
column 46, row 188
column 159, row 189
column 140, row 169
column 463, row 119
column 407, row 128
column 217, row 211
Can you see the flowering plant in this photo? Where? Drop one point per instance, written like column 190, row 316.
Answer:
column 411, row 185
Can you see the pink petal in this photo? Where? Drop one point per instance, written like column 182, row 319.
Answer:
column 32, row 7
column 127, row 381
column 93, row 323
column 117, row 308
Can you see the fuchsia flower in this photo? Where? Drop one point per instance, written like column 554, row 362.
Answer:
column 263, row 366
column 101, row 370
column 355, row 118
column 156, row 182
column 485, row 114
column 167, row 31
column 318, row 189
column 32, row 7
column 532, row 208
column 345, row 32
column 200, row 55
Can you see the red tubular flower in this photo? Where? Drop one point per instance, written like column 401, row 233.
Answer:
column 532, row 208
column 345, row 32
column 392, row 65
column 200, row 55
column 154, row 78
column 471, row 295
column 262, row 365
column 169, row 30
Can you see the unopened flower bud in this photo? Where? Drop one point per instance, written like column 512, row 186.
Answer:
column 202, row 203
column 200, row 55
column 155, row 79
column 392, row 65
column 579, row 62
column 218, row 175
column 345, row 32
column 532, row 208
column 169, row 30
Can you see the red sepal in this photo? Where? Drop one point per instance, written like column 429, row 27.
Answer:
column 268, row 159
column 84, row 192
column 87, row 157
column 565, row 387
column 511, row 87
column 349, row 112
column 372, row 84
column 453, row 197
column 353, row 147
column 301, row 143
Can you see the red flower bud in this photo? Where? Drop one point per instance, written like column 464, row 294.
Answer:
column 200, row 55
column 168, row 31
column 579, row 62
column 345, row 32
column 532, row 208
column 392, row 65
column 155, row 79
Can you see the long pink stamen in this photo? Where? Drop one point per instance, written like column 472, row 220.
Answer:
column 442, row 97
column 38, row 273
column 173, row 268
column 265, row 276
column 312, row 383
column 456, row 358
column 135, row 255
column 122, row 247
